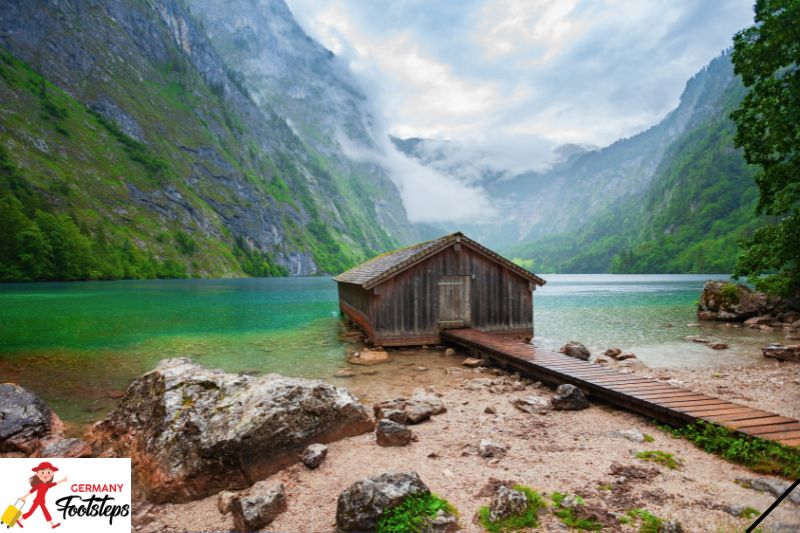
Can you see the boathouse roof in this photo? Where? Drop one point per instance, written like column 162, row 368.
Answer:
column 387, row 265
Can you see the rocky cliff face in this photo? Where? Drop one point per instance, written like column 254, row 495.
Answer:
column 201, row 141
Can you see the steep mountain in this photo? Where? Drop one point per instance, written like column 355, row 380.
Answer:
column 134, row 143
column 674, row 198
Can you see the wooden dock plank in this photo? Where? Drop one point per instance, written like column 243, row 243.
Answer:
column 649, row 397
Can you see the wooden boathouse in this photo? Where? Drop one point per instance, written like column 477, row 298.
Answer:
column 408, row 296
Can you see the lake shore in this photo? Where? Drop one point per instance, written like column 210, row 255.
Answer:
column 573, row 452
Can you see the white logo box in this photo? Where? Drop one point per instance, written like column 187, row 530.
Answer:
column 95, row 498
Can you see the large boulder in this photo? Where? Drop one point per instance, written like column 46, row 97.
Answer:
column 734, row 302
column 576, row 350
column 361, row 505
column 192, row 431
column 25, row 421
column 259, row 507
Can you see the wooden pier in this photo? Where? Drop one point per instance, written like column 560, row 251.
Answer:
column 645, row 396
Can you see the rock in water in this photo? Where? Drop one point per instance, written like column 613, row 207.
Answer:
column 364, row 502
column 263, row 503
column 390, row 433
column 733, row 302
column 313, row 455
column 369, row 357
column 507, row 502
column 789, row 352
column 569, row 398
column 576, row 350
column 624, row 356
column 192, row 431
column 613, row 352
column 472, row 362
column 24, row 420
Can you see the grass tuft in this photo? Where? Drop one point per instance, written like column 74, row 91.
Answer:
column 412, row 515
column 648, row 437
column 650, row 523
column 762, row 456
column 569, row 516
column 528, row 519
column 661, row 457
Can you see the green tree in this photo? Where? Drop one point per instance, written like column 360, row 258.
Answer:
column 767, row 57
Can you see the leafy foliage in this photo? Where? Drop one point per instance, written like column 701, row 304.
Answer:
column 528, row 519
column 414, row 513
column 660, row 457
column 760, row 455
column 767, row 57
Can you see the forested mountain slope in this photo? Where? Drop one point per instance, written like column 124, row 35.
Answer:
column 130, row 147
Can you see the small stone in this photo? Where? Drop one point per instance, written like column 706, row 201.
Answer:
column 599, row 360
column 576, row 349
column 417, row 411
column 695, row 338
column 790, row 352
column 490, row 448
column 344, row 373
column 734, row 510
column 313, row 455
column 490, row 410
column 532, row 404
column 633, row 434
column 390, row 433
column 718, row 346
column 442, row 522
column 369, row 357
column 225, row 501
column 263, row 503
column 472, row 362
column 453, row 371
column 569, row 398
column 421, row 368
column 626, row 355
column 449, row 352
column 670, row 526
column 612, row 352
column 506, row 503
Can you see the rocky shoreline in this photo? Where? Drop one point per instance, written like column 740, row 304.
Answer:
column 480, row 430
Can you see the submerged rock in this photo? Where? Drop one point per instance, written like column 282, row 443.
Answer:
column 369, row 357
column 255, row 510
column 472, row 362
column 790, row 352
column 576, row 349
column 612, row 352
column 25, row 420
column 569, row 398
column 361, row 505
column 192, row 431
column 507, row 502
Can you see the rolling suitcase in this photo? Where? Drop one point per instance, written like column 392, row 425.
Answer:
column 11, row 515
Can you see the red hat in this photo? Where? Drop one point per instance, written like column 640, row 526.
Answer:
column 44, row 465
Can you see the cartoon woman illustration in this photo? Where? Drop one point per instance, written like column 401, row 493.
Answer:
column 41, row 482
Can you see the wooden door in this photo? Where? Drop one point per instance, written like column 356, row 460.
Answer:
column 454, row 301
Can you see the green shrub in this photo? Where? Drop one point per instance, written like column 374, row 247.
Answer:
column 730, row 293
column 658, row 456
column 529, row 518
column 650, row 523
column 569, row 516
column 412, row 515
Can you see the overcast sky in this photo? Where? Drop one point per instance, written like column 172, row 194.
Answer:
column 523, row 76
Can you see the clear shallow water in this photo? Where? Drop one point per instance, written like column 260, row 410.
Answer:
column 79, row 344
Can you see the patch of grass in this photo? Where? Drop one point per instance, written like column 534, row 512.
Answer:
column 569, row 516
column 749, row 512
column 528, row 519
column 762, row 456
column 648, row 437
column 661, row 457
column 412, row 515
column 650, row 523
column 604, row 486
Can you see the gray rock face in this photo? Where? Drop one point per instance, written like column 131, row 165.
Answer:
column 264, row 502
column 390, row 433
column 773, row 486
column 313, row 455
column 192, row 431
column 490, row 448
column 60, row 447
column 24, row 420
column 569, row 398
column 721, row 303
column 364, row 502
column 507, row 502
column 576, row 350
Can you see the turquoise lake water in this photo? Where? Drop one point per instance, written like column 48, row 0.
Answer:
column 79, row 344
